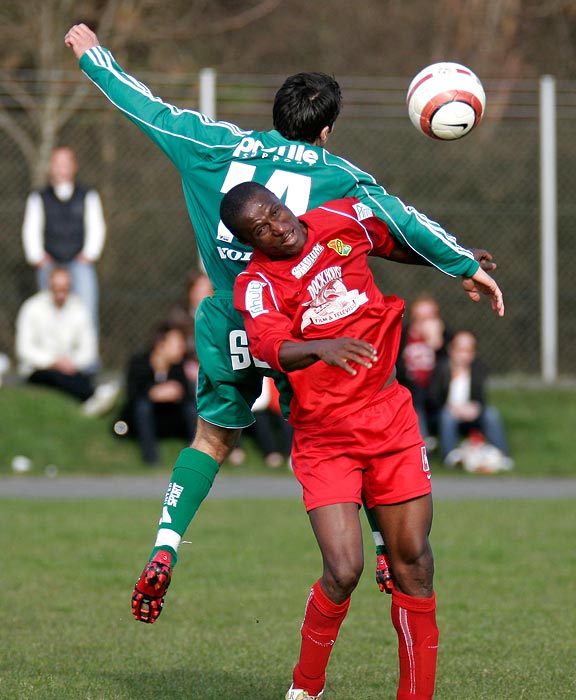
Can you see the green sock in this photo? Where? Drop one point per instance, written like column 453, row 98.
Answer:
column 192, row 479
column 378, row 539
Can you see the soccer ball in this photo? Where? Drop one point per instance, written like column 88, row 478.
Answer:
column 445, row 101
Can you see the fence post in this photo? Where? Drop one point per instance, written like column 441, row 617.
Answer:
column 548, row 231
column 207, row 90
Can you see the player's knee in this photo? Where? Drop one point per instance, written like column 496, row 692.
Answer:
column 215, row 441
column 342, row 577
column 414, row 572
column 413, row 550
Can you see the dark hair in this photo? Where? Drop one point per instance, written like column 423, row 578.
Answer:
column 160, row 332
column 235, row 200
column 305, row 104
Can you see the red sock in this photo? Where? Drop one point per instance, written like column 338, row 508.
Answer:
column 415, row 623
column 322, row 620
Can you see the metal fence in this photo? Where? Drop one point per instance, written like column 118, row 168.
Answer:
column 484, row 188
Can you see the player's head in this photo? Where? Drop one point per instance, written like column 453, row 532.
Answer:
column 258, row 218
column 306, row 107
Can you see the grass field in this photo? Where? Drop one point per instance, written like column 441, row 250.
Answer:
column 49, row 429
column 230, row 629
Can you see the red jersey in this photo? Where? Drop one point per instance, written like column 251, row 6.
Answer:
column 326, row 291
column 419, row 359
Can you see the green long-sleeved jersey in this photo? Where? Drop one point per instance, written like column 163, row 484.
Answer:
column 213, row 156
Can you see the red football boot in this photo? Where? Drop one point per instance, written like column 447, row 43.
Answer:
column 151, row 587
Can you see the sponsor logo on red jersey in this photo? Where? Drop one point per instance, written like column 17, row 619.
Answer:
column 306, row 263
column 253, row 298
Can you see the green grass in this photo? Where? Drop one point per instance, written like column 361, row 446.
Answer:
column 49, row 429
column 230, row 629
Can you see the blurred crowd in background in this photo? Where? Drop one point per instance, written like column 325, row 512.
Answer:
column 57, row 330
column 97, row 274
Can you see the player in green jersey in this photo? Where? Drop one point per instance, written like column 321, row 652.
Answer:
column 212, row 157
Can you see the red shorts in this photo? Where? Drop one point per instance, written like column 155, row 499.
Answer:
column 375, row 455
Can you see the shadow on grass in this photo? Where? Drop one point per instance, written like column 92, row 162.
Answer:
column 199, row 684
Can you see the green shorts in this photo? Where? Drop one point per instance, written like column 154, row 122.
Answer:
column 230, row 379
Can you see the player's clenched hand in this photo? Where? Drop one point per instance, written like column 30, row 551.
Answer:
column 384, row 577
column 340, row 352
column 482, row 284
column 485, row 259
column 80, row 38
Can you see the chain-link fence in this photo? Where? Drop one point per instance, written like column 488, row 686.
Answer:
column 484, row 188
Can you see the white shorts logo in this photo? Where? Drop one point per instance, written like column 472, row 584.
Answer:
column 425, row 464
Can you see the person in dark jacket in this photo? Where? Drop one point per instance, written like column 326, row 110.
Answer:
column 183, row 315
column 64, row 226
column 160, row 399
column 458, row 392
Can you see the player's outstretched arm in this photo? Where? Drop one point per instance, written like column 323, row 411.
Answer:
column 80, row 38
column 482, row 284
column 403, row 254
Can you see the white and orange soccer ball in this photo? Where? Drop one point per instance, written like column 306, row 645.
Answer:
column 446, row 101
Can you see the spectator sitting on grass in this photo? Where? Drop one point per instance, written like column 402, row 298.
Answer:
column 183, row 314
column 423, row 343
column 458, row 390
column 160, row 399
column 56, row 345
column 271, row 432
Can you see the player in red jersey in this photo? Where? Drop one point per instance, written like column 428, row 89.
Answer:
column 312, row 309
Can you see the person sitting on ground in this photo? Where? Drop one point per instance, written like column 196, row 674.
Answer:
column 4, row 366
column 423, row 343
column 458, row 391
column 183, row 314
column 160, row 400
column 56, row 345
column 271, row 432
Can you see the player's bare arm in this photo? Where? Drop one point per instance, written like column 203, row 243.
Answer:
column 80, row 38
column 338, row 352
column 482, row 284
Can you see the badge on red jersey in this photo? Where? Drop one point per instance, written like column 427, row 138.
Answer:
column 341, row 248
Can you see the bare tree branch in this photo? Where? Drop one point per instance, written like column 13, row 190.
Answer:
column 16, row 91
column 19, row 135
column 222, row 25
column 105, row 26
